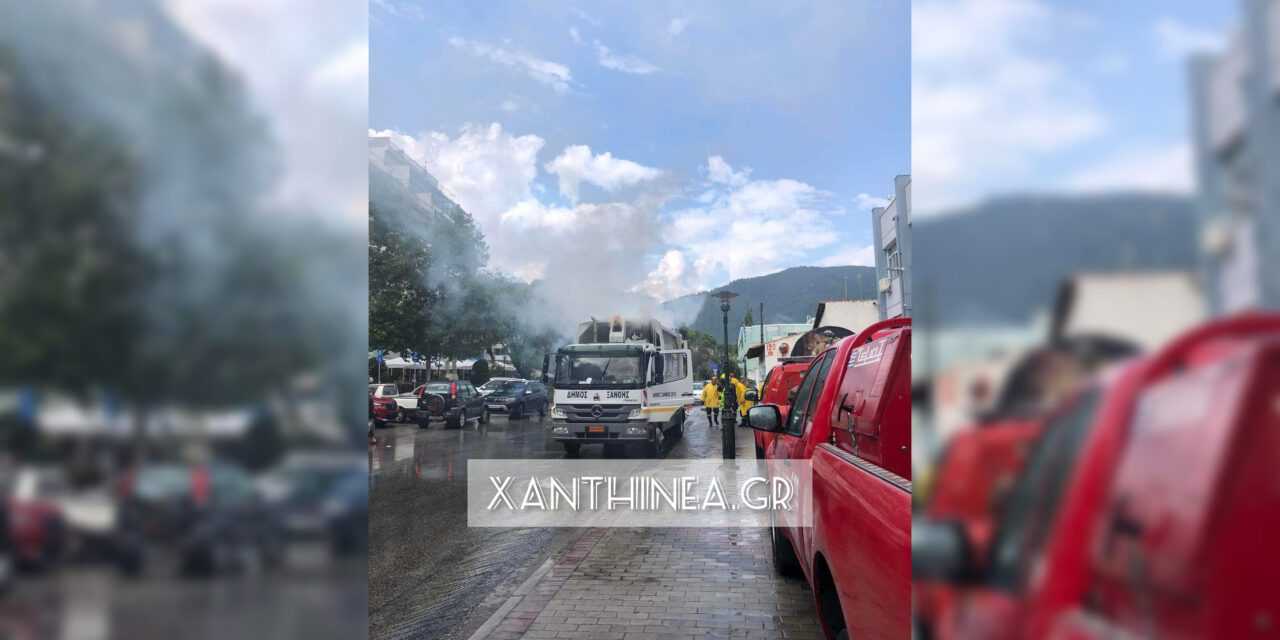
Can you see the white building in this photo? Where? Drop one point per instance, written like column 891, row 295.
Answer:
column 891, row 235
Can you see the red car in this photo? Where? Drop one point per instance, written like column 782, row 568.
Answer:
column 37, row 529
column 852, row 417
column 1141, row 508
column 382, row 404
column 778, row 389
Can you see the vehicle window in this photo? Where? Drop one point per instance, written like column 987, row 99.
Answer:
column 437, row 387
column 161, row 483
column 509, row 387
column 600, row 369
column 231, row 487
column 795, row 421
column 818, row 383
column 1029, row 512
column 674, row 367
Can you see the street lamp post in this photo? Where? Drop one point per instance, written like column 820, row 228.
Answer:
column 728, row 416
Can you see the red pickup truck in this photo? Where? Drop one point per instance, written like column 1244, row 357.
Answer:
column 1142, row 507
column 852, row 417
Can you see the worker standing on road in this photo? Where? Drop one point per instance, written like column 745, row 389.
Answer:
column 740, row 390
column 711, row 401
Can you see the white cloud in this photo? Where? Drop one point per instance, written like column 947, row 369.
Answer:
column 576, row 165
column 399, row 9
column 677, row 26
column 485, row 169
column 348, row 68
column 867, row 202
column 573, row 33
column 744, row 228
column 1163, row 168
column 509, row 105
column 623, row 63
column 719, row 172
column 1177, row 40
column 552, row 74
column 851, row 256
column 989, row 99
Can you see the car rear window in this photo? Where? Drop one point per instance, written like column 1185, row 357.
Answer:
column 436, row 387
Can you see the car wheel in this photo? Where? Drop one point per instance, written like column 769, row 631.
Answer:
column 453, row 422
column 784, row 555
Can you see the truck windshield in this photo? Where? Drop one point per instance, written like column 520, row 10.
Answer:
column 597, row 369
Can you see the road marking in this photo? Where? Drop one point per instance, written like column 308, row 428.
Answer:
column 501, row 614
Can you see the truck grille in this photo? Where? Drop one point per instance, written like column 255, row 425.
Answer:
column 597, row 412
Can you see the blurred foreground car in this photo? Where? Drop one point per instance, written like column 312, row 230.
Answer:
column 346, row 509
column 1140, row 508
column 37, row 528
column 518, row 398
column 199, row 519
column 299, row 489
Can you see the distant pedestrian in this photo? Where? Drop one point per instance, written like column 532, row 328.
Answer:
column 711, row 402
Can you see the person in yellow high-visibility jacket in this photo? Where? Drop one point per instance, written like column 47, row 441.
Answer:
column 741, row 389
column 711, row 402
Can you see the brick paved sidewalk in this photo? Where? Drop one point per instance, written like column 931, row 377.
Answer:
column 658, row 584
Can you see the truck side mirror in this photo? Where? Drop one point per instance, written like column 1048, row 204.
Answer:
column 546, row 368
column 940, row 551
column 657, row 368
column 764, row 418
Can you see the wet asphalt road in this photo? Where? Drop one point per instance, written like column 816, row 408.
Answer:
column 312, row 596
column 430, row 576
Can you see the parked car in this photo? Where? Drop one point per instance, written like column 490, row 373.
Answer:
column 454, row 402
column 493, row 383
column 37, row 528
column 1139, row 509
column 852, row 417
column 298, row 490
column 518, row 398
column 197, row 519
column 383, row 408
column 346, row 507
column 779, row 389
column 7, row 560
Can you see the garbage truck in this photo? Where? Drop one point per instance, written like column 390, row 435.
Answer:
column 623, row 383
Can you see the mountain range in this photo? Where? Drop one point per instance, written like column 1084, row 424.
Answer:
column 790, row 295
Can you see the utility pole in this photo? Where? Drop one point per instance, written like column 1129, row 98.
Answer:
column 728, row 416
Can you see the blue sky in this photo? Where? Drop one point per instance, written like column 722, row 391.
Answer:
column 1054, row 95
column 725, row 141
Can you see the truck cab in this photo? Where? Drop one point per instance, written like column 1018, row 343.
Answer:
column 627, row 391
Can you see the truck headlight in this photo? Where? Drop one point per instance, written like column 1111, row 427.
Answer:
column 557, row 412
column 636, row 431
column 635, row 413
column 560, row 430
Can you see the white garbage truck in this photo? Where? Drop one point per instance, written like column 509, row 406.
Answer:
column 622, row 383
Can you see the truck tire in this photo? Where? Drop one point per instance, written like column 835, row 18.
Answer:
column 784, row 555
column 649, row 449
column 572, row 449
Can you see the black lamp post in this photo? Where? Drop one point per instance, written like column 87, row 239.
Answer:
column 728, row 414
